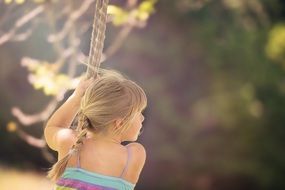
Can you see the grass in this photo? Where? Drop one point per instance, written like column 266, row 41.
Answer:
column 12, row 179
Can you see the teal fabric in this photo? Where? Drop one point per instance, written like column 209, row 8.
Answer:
column 84, row 176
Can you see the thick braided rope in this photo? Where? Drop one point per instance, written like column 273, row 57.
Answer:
column 93, row 35
column 98, row 37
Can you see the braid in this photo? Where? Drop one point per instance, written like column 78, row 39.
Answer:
column 59, row 167
column 79, row 142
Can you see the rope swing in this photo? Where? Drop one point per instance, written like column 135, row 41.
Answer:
column 97, row 38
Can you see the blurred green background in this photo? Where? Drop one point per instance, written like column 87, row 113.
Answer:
column 214, row 73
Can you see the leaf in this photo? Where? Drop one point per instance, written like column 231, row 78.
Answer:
column 275, row 48
column 43, row 75
column 8, row 1
column 114, row 10
column 145, row 9
column 147, row 6
column 20, row 1
column 119, row 15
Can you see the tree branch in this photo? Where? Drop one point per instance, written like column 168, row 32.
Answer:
column 70, row 22
column 21, row 22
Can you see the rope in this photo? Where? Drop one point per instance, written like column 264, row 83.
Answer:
column 97, row 38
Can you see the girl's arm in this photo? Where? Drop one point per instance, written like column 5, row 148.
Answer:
column 57, row 128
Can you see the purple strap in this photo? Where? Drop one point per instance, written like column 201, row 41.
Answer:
column 128, row 158
column 78, row 160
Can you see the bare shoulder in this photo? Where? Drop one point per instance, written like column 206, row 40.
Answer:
column 137, row 149
column 59, row 138
column 137, row 157
column 66, row 136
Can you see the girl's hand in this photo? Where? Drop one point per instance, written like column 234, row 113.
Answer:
column 82, row 86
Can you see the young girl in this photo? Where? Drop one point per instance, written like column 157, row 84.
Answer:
column 92, row 157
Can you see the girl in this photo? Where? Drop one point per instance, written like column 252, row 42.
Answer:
column 92, row 157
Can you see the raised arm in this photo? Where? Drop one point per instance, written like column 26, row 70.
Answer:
column 57, row 128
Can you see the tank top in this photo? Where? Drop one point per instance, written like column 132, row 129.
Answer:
column 77, row 178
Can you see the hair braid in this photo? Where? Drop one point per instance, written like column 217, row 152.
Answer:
column 59, row 167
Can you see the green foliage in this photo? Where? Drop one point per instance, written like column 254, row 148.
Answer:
column 235, row 127
column 141, row 13
column 145, row 9
column 120, row 16
column 275, row 48
column 44, row 76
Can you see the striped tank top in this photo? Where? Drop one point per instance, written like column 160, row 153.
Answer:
column 76, row 178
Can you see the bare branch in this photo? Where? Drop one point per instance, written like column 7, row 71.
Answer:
column 43, row 115
column 6, row 15
column 70, row 22
column 21, row 22
column 131, row 3
column 118, row 41
column 28, row 120
column 31, row 140
column 125, row 31
column 47, row 155
column 25, row 35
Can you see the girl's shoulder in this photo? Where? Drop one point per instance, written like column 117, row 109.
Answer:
column 136, row 161
column 136, row 148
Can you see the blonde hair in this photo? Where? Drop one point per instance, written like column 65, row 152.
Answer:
column 112, row 96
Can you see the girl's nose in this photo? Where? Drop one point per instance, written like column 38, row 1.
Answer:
column 142, row 117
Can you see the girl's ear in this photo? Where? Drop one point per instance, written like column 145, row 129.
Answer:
column 118, row 123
